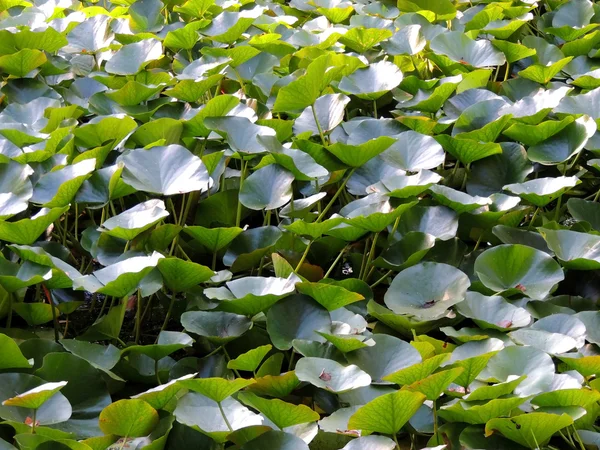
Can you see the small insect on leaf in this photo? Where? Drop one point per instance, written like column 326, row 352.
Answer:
column 520, row 287
column 325, row 376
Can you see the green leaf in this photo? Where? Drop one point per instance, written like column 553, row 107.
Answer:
column 473, row 367
column 216, row 107
column 168, row 342
column 495, row 390
column 129, row 418
column 347, row 343
column 388, row 413
column 518, row 269
column 34, row 313
column 36, row 397
column 358, row 155
column 281, row 413
column 543, row 74
column 330, row 296
column 179, row 275
column 467, row 150
column 586, row 365
column 513, row 51
column 305, row 90
column 362, row 39
column 426, row 290
column 218, row 327
column 530, row 430
column 192, row 91
column 479, row 413
column 214, row 239
column 59, row 187
column 417, row 372
column 330, row 375
column 95, row 134
column 217, row 389
column 186, row 37
column 250, row 360
column 279, row 386
column 133, row 93
column 442, row 9
column 22, row 62
column 12, row 358
column 434, row 385
column 160, row 396
column 136, row 220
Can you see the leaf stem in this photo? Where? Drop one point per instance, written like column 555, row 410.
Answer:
column 54, row 319
column 396, row 441
column 11, row 297
column 336, row 195
column 303, row 258
column 533, row 218
column 33, row 414
column 156, row 372
column 228, row 358
column 435, row 422
column 335, row 261
column 238, row 216
column 312, row 107
column 213, row 266
column 557, row 209
column 370, row 257
column 387, row 274
column 168, row 315
column 224, row 417
column 138, row 317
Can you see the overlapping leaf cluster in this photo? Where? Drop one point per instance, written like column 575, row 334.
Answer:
column 317, row 224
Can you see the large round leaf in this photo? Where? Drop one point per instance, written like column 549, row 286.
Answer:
column 493, row 312
column 542, row 191
column 268, row 188
column 330, row 375
column 426, row 290
column 129, row 418
column 461, row 48
column 372, row 82
column 165, row 170
column 579, row 251
column 219, row 327
column 296, row 317
column 518, row 269
column 134, row 221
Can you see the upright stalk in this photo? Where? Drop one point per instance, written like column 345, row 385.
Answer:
column 33, row 414
column 225, row 417
column 156, row 372
column 303, row 258
column 11, row 299
column 168, row 316
column 336, row 195
column 312, row 107
column 238, row 216
column 370, row 257
column 533, row 217
column 396, row 441
column 435, row 421
column 138, row 317
column 335, row 261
